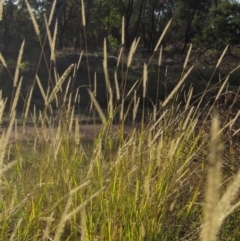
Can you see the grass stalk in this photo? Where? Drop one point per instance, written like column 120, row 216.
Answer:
column 211, row 226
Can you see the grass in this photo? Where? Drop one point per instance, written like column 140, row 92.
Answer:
column 170, row 174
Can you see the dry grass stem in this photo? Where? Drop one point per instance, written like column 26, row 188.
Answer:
column 154, row 112
column 95, row 84
column 76, row 96
column 28, row 102
column 177, row 87
column 145, row 78
column 8, row 167
column 221, row 89
column 56, row 76
column 132, row 51
column 1, row 9
column 80, row 207
column 67, row 89
column 234, row 69
column 186, row 122
column 136, row 45
column 2, row 106
column 54, row 41
column 123, row 31
column 160, row 57
column 84, row 232
column 116, row 85
column 69, row 102
column 57, row 146
column 174, row 146
column 211, row 217
column 83, row 14
column 16, row 97
column 226, row 205
column 223, row 54
column 236, row 132
column 46, row 232
column 79, row 60
column 5, row 137
column 74, row 70
column 162, row 35
column 4, row 63
column 189, row 98
column 119, row 56
column 56, row 101
column 135, row 108
column 121, row 110
column 63, row 219
column 97, row 154
column 80, row 187
column 110, row 108
column 98, row 108
column 132, row 88
column 52, row 12
column 233, row 121
column 13, row 235
column 34, row 21
column 107, row 80
column 59, row 84
column 162, row 116
column 41, row 90
column 105, row 69
column 76, row 132
column 18, row 64
column 71, row 121
column 50, row 40
column 187, row 57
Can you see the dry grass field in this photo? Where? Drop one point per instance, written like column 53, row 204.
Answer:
column 137, row 169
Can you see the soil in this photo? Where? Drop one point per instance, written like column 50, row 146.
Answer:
column 88, row 132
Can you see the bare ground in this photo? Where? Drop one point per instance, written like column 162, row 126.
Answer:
column 88, row 132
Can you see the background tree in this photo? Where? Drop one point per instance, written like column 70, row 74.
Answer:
column 154, row 19
column 16, row 24
column 185, row 14
column 222, row 26
column 208, row 23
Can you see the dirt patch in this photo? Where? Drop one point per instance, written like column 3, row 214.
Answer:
column 87, row 132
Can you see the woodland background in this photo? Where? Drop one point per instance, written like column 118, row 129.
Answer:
column 206, row 23
column 209, row 25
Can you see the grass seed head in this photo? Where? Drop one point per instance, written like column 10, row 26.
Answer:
column 1, row 9
column 34, row 21
column 4, row 63
column 83, row 14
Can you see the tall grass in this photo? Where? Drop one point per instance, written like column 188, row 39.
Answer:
column 159, row 177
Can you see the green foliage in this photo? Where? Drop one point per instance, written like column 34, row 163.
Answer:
column 113, row 42
column 206, row 23
column 16, row 25
column 222, row 26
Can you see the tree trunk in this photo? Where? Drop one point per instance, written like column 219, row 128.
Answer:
column 189, row 26
column 129, row 11
column 139, row 18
